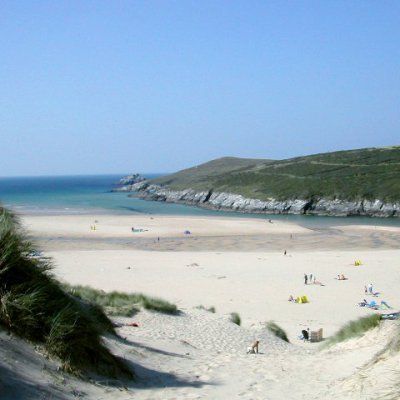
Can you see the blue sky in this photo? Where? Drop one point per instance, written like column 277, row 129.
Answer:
column 155, row 86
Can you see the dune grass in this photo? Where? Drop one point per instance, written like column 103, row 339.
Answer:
column 277, row 331
column 209, row 309
column 235, row 318
column 355, row 328
column 123, row 304
column 34, row 306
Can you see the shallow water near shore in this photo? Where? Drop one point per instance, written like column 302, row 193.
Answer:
column 92, row 195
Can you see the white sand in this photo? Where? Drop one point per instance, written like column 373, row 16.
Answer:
column 256, row 285
column 111, row 226
column 200, row 355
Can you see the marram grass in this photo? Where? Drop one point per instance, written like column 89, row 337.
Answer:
column 34, row 306
column 235, row 318
column 355, row 328
column 123, row 304
column 277, row 331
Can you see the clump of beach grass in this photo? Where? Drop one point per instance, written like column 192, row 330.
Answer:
column 235, row 318
column 34, row 306
column 277, row 331
column 209, row 309
column 123, row 304
column 355, row 328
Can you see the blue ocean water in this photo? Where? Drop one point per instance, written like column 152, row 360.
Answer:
column 76, row 195
column 92, row 194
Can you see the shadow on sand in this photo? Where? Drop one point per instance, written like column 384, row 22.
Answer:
column 148, row 348
column 150, row 379
column 146, row 378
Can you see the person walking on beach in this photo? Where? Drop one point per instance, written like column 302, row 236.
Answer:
column 305, row 279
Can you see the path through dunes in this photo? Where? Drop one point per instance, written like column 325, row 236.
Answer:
column 200, row 355
column 207, row 350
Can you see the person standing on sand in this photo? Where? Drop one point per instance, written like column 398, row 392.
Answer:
column 370, row 288
column 305, row 279
column 284, row 253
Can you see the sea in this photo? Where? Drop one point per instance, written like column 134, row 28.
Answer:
column 92, row 194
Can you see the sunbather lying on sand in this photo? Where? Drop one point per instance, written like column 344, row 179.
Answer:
column 341, row 277
column 364, row 303
column 385, row 305
column 374, row 305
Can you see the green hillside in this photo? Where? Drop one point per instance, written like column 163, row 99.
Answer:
column 372, row 173
column 201, row 176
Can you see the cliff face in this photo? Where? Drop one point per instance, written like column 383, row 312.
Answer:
column 235, row 202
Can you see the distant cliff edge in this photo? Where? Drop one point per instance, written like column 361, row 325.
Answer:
column 363, row 182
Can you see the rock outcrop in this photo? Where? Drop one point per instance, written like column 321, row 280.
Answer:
column 125, row 183
column 236, row 202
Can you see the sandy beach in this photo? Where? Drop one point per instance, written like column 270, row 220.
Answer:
column 235, row 265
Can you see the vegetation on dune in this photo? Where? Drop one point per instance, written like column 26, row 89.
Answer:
column 209, row 309
column 351, row 175
column 34, row 306
column 355, row 328
column 123, row 304
column 235, row 318
column 277, row 331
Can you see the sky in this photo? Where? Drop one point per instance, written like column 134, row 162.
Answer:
column 93, row 87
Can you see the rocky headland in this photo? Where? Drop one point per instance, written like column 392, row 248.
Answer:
column 236, row 202
column 125, row 184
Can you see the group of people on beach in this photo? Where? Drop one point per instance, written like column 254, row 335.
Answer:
column 311, row 279
column 308, row 278
column 374, row 305
column 369, row 289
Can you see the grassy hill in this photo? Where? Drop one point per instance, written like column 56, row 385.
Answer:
column 372, row 173
column 201, row 176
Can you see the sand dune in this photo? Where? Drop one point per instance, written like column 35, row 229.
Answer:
column 200, row 355
column 235, row 265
